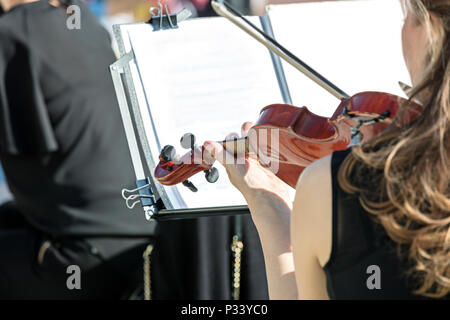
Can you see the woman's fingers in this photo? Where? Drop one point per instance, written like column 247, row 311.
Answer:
column 232, row 136
column 246, row 126
column 215, row 150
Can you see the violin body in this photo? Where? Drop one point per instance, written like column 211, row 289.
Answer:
column 302, row 136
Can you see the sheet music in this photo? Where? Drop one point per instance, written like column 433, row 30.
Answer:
column 207, row 77
column 354, row 44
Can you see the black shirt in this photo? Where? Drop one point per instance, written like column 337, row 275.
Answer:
column 359, row 242
column 62, row 142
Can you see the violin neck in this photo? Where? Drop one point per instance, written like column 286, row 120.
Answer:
column 237, row 146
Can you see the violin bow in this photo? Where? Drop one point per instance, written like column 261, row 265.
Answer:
column 225, row 10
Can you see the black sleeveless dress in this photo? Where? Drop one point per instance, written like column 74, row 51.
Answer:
column 364, row 263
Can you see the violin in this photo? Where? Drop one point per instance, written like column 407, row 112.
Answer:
column 302, row 138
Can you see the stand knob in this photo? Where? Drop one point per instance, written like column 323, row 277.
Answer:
column 212, row 175
column 187, row 141
column 168, row 153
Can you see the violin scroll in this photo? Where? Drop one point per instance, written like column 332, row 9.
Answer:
column 173, row 169
column 169, row 154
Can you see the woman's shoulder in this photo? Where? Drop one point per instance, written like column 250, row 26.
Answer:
column 323, row 167
column 317, row 167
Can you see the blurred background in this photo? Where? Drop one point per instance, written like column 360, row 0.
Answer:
column 112, row 12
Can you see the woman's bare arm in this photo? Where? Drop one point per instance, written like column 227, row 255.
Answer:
column 272, row 220
column 311, row 229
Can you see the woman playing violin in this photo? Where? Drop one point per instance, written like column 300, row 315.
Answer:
column 372, row 221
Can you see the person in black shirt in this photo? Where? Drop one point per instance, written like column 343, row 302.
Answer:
column 65, row 157
column 371, row 222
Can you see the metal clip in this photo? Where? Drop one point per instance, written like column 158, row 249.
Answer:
column 152, row 11
column 142, row 194
column 134, row 196
column 166, row 6
column 162, row 18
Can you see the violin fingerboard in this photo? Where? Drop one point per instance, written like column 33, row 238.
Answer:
column 236, row 146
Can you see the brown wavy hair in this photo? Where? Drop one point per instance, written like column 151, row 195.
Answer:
column 408, row 164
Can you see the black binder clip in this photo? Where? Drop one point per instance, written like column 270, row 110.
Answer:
column 142, row 194
column 160, row 21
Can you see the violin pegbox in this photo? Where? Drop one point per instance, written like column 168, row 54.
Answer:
column 188, row 141
column 173, row 169
column 168, row 157
column 168, row 160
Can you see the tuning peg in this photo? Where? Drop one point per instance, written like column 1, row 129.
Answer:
column 212, row 175
column 168, row 153
column 190, row 185
column 187, row 141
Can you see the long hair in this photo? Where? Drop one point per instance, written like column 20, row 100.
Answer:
column 409, row 166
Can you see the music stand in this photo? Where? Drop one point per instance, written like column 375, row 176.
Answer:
column 148, row 192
